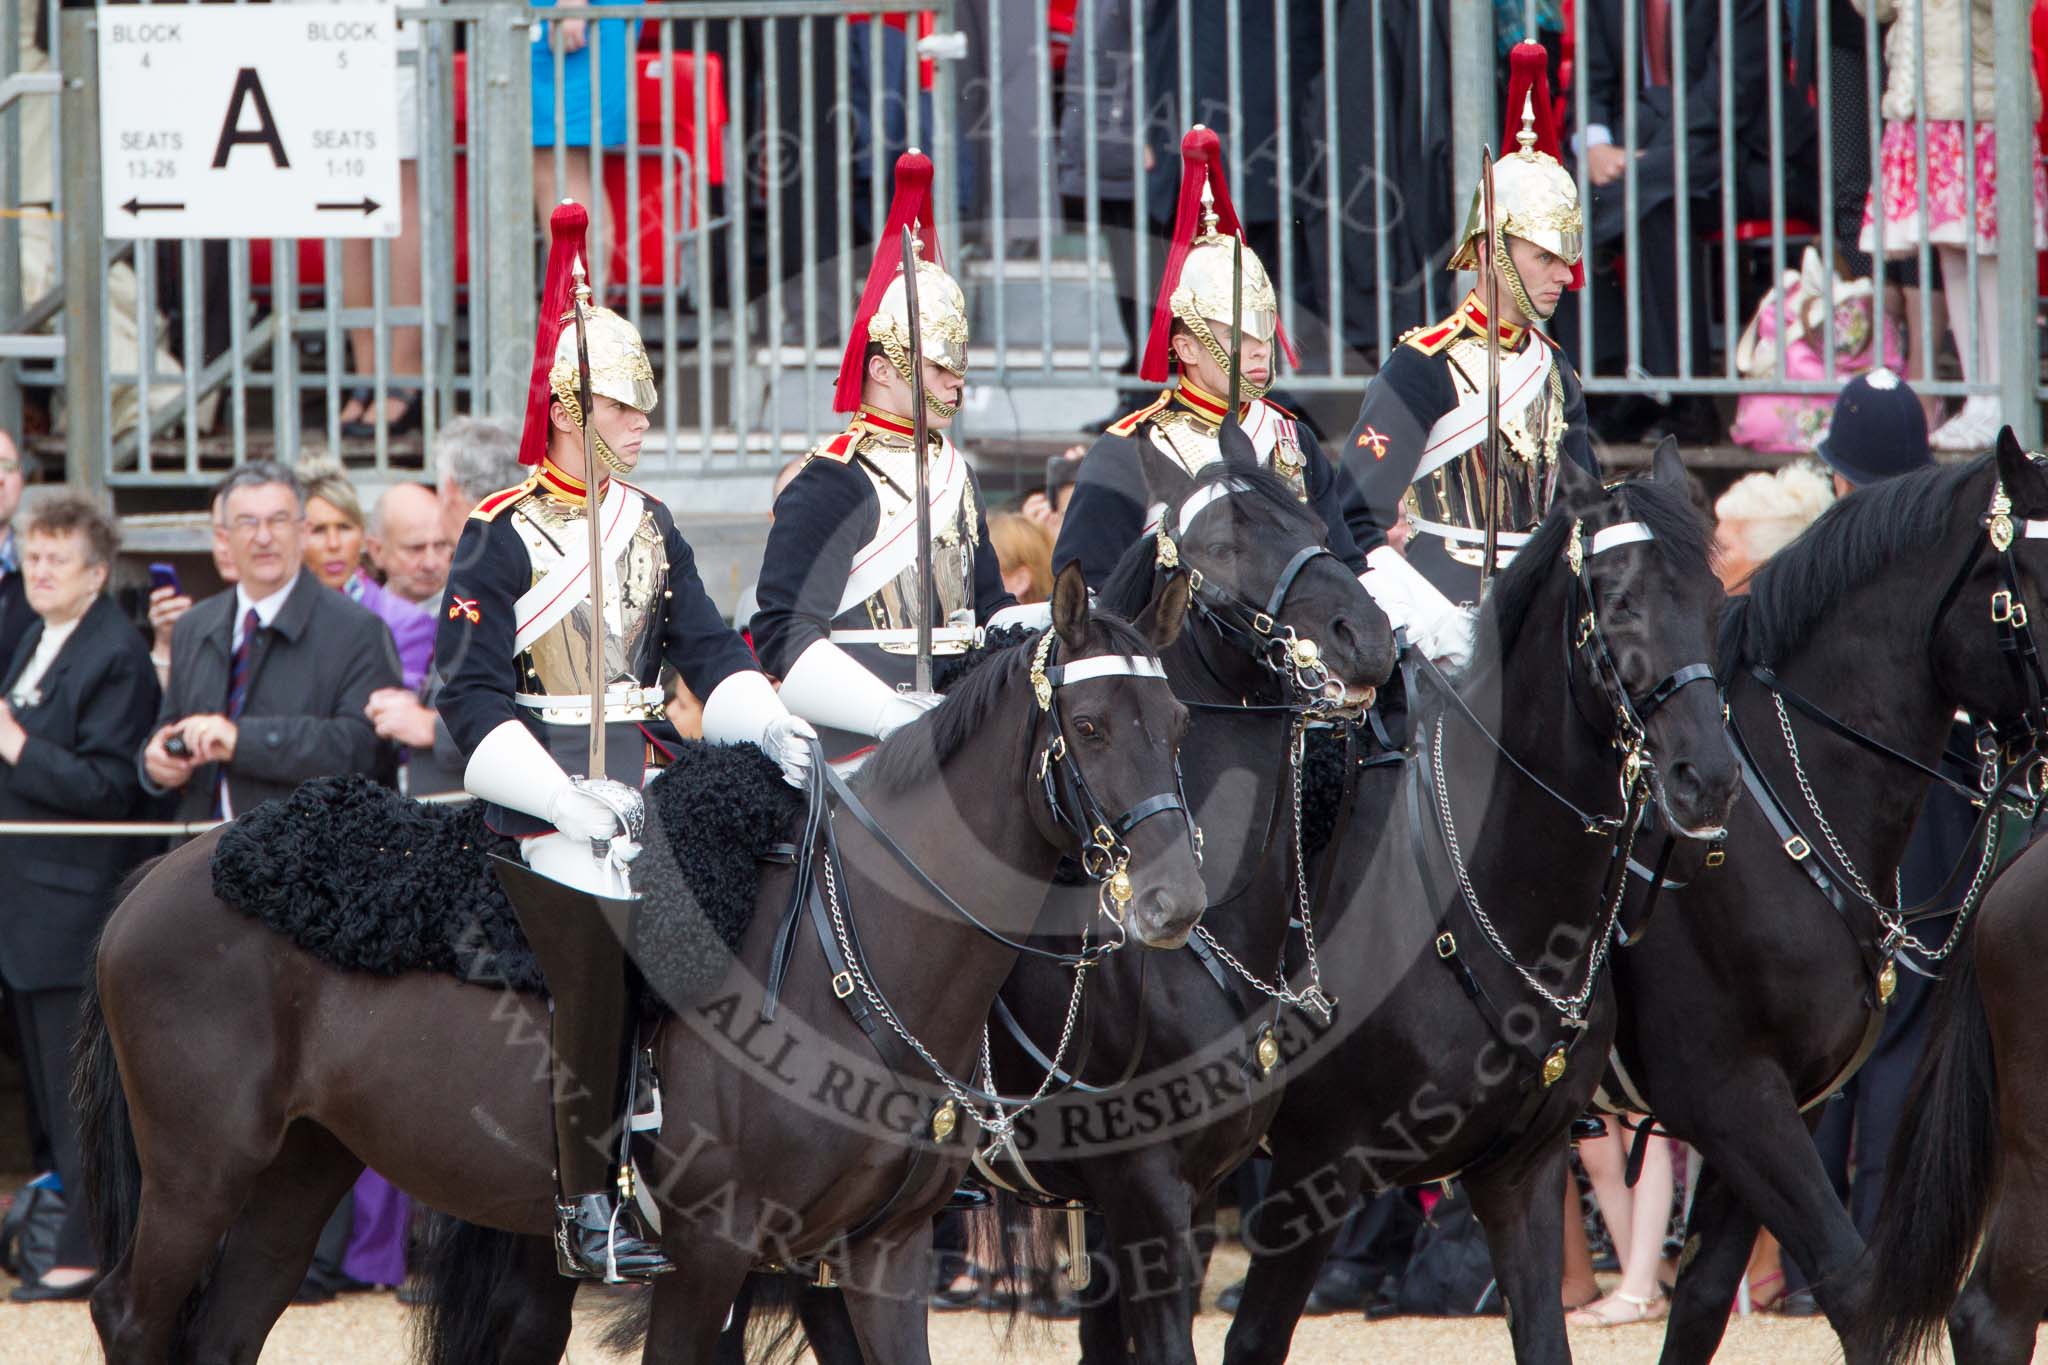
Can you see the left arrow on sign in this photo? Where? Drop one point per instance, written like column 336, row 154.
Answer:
column 136, row 206
column 365, row 206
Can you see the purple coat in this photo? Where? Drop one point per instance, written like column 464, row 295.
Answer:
column 411, row 625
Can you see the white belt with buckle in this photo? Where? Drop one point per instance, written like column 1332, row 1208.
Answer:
column 953, row 639
column 620, row 704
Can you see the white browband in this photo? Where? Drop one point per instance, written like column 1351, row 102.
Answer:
column 1628, row 533
column 1109, row 666
column 1202, row 497
column 2035, row 529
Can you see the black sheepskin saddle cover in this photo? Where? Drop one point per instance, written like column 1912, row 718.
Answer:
column 368, row 881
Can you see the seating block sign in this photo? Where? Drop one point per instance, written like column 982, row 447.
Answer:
column 249, row 120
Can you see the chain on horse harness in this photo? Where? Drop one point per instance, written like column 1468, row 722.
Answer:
column 1623, row 720
column 1073, row 808
column 1295, row 660
column 2006, row 760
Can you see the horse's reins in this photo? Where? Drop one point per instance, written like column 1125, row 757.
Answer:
column 2005, row 760
column 1072, row 808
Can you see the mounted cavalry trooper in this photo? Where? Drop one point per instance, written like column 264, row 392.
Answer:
column 1423, row 431
column 525, row 648
column 840, row 597
column 1148, row 460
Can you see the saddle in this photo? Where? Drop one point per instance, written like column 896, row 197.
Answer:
column 368, row 881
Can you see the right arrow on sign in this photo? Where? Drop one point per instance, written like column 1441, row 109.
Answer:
column 365, row 206
column 136, row 206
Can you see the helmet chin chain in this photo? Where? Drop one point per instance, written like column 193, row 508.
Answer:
column 606, row 456
column 1248, row 392
column 899, row 356
column 1511, row 279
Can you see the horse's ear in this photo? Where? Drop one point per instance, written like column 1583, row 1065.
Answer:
column 1070, row 605
column 1667, row 466
column 1237, row 448
column 2025, row 480
column 1165, row 614
column 1578, row 489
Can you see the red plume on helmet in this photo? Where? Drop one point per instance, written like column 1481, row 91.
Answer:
column 912, row 208
column 1529, row 82
column 1201, row 163
column 567, row 227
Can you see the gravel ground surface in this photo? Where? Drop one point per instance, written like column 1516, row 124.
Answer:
column 371, row 1329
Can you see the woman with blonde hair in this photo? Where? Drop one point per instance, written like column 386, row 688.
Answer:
column 335, row 530
column 1024, row 550
column 1762, row 514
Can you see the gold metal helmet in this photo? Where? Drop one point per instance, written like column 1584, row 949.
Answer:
column 1535, row 199
column 1201, row 300
column 942, row 324
column 619, row 369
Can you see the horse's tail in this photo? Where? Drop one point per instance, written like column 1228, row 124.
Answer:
column 108, row 1161
column 767, row 1314
column 1020, row 1244
column 471, row 1281
column 1938, row 1182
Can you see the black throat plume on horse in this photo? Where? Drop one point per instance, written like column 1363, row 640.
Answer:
column 233, row 1084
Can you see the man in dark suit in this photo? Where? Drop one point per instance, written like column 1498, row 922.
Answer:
column 1665, row 98
column 15, row 614
column 78, row 698
column 269, row 678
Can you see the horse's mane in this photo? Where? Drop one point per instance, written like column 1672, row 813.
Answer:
column 1129, row 585
column 1676, row 530
column 914, row 754
column 1850, row 542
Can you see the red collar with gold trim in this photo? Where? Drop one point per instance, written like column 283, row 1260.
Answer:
column 1208, row 406
column 888, row 423
column 559, row 483
column 1474, row 314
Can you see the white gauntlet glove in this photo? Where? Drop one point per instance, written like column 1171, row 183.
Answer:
column 576, row 812
column 744, row 709
column 1437, row 626
column 903, row 708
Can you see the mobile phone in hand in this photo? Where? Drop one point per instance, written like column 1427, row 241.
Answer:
column 163, row 576
column 175, row 746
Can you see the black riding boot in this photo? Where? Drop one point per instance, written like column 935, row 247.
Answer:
column 579, row 941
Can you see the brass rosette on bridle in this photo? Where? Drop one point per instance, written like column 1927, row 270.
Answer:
column 942, row 327
column 1201, row 301
column 619, row 370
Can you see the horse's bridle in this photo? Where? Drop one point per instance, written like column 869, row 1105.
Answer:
column 1295, row 658
column 2015, row 630
column 1069, row 800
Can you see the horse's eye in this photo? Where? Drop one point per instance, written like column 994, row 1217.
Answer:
column 1220, row 550
column 1085, row 728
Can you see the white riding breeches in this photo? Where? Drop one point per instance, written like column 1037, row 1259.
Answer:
column 567, row 859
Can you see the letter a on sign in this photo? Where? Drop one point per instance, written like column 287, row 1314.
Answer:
column 248, row 89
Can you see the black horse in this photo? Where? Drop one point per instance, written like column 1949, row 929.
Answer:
column 1160, row 1119
column 1759, row 989
column 1969, row 1157
column 233, row 1085
column 1478, row 884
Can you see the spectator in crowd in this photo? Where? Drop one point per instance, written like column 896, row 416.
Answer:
column 1061, row 472
column 613, row 41
column 1636, row 1217
column 409, row 545
column 79, row 696
column 167, row 604
column 1024, row 550
column 1762, row 514
column 1928, row 51
column 473, row 457
column 1646, row 231
column 268, row 678
column 743, row 611
column 335, row 536
column 16, row 616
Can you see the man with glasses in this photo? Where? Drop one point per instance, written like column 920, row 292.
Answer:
column 15, row 614
column 269, row 678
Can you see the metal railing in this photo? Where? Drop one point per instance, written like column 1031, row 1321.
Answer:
column 740, row 201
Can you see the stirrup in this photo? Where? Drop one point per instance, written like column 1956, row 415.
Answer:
column 600, row 1237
